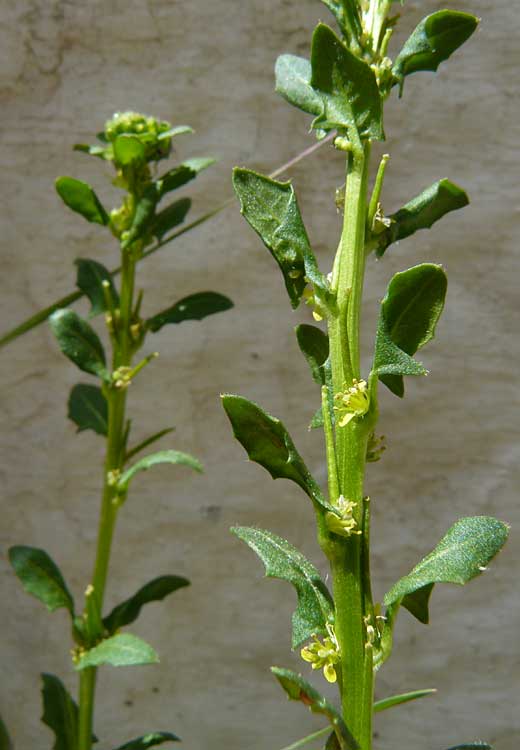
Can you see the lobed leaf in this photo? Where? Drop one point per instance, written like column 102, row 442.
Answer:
column 149, row 740
column 194, row 307
column 298, row 689
column 434, row 40
column 88, row 408
column 41, row 577
column 119, row 650
column 271, row 209
column 185, row 172
column 89, row 280
column 154, row 591
column 79, row 342
column 170, row 217
column 293, row 82
column 161, row 457
column 461, row 555
column 82, row 199
column 267, row 442
column 60, row 713
column 282, row 560
column 422, row 212
column 348, row 88
column 409, row 313
column 396, row 700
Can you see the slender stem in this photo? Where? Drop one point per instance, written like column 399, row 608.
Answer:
column 114, row 459
column 309, row 738
column 352, row 595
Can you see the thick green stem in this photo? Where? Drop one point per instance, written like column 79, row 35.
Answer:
column 114, row 460
column 349, row 561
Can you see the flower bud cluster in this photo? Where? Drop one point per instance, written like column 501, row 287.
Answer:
column 323, row 654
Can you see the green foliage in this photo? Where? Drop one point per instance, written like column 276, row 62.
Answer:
column 347, row 16
column 410, row 311
column 88, row 408
column 293, row 82
column 271, row 209
column 5, row 740
column 194, row 307
column 60, row 713
column 268, row 443
column 461, row 555
column 81, row 198
column 153, row 591
column 433, row 41
column 472, row 746
column 183, row 173
column 128, row 149
column 314, row 345
column 79, row 342
column 170, row 217
column 348, row 88
column 422, row 212
column 161, row 457
column 397, row 700
column 41, row 577
column 121, row 650
column 149, row 740
column 89, row 280
column 282, row 560
column 298, row 689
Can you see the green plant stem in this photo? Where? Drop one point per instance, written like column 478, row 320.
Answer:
column 348, row 561
column 114, row 460
column 309, row 738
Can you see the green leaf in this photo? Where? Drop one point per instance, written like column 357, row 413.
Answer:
column 154, row 591
column 472, row 746
column 144, row 219
column 82, row 199
column 41, row 577
column 293, row 82
column 433, row 41
column 396, row 700
column 147, row 441
column 282, row 560
column 88, row 409
column 177, row 130
column 298, row 689
column 185, row 172
column 267, row 442
column 271, row 209
column 161, row 457
column 119, row 650
column 317, row 419
column 461, row 555
column 348, row 87
column 149, row 740
column 314, row 345
column 194, row 307
column 170, row 217
column 409, row 313
column 128, row 149
column 422, row 212
column 94, row 150
column 5, row 740
column 60, row 713
column 79, row 342
column 89, row 280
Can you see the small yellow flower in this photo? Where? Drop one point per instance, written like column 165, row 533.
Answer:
column 342, row 521
column 352, row 402
column 323, row 655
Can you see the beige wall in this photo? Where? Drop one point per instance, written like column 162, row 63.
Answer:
column 453, row 442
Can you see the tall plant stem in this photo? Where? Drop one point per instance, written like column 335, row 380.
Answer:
column 114, row 459
column 348, row 561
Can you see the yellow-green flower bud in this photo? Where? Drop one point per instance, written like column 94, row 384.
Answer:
column 323, row 654
column 352, row 402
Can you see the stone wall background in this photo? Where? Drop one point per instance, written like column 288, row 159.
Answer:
column 453, row 442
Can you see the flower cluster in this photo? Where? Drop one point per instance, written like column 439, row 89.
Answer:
column 352, row 402
column 151, row 132
column 342, row 521
column 323, row 655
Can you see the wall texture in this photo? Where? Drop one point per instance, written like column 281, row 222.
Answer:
column 453, row 442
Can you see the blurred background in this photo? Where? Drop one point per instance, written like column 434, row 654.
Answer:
column 452, row 443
